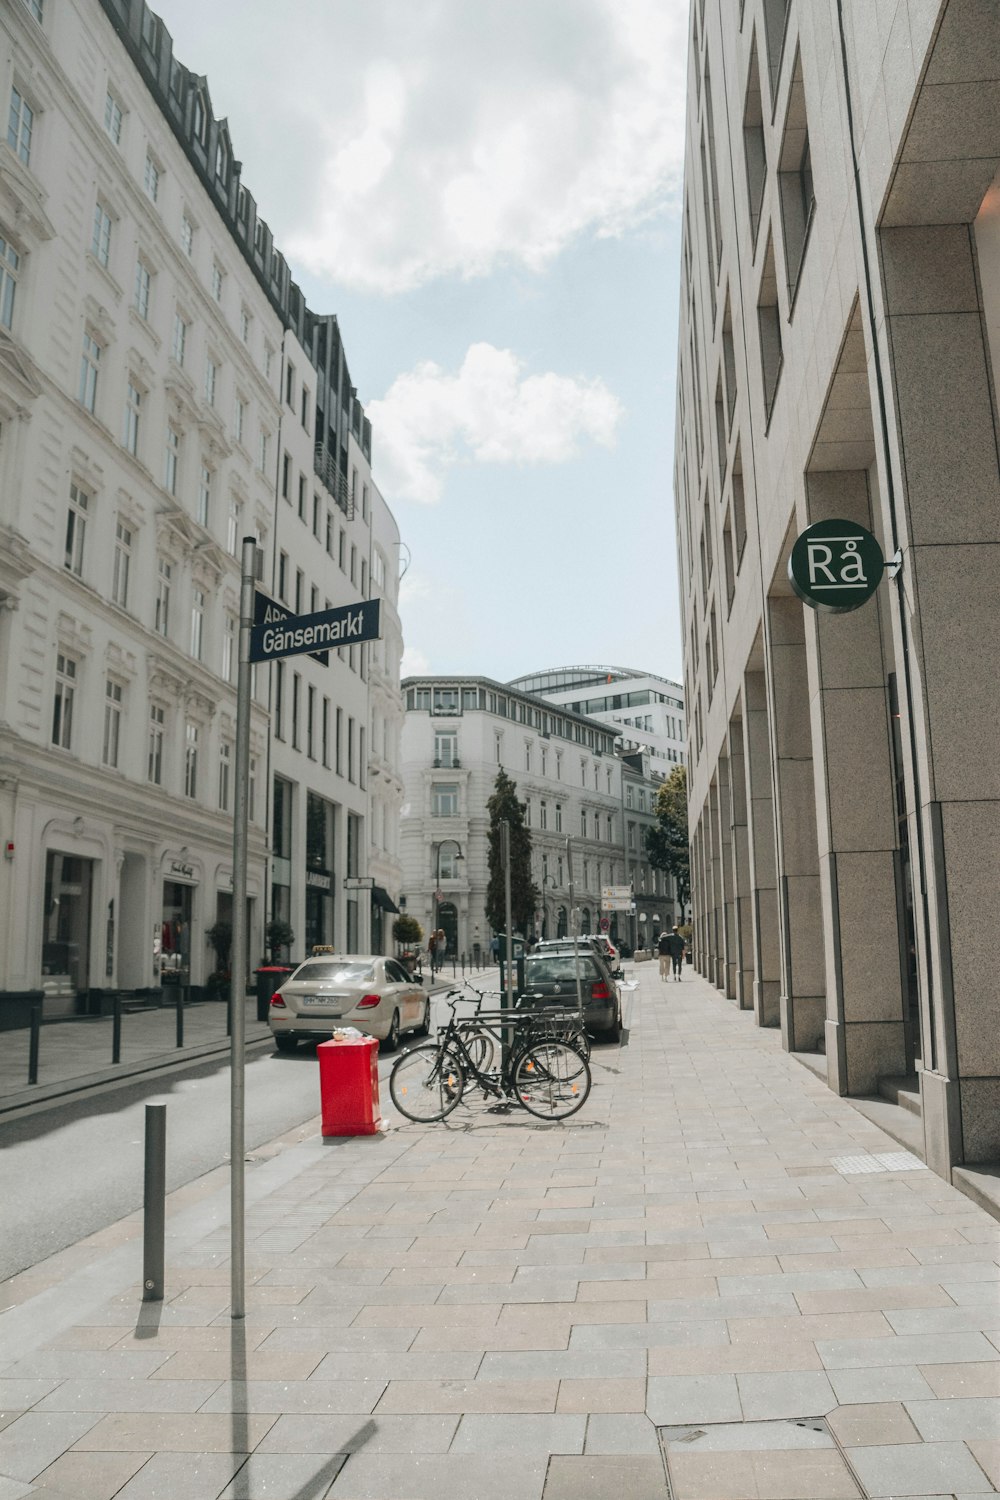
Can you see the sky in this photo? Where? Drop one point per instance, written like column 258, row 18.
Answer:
column 486, row 193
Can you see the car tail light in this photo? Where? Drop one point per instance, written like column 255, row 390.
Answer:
column 367, row 1001
column 600, row 991
column 278, row 1003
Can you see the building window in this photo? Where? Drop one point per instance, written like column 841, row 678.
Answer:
column 444, row 800
column 112, row 722
column 283, row 577
column 179, row 345
column 20, row 124
column 445, row 748
column 62, row 709
column 89, row 364
column 161, row 617
column 252, row 788
column 34, row 8
column 290, row 384
column 338, row 741
column 239, row 419
column 795, row 182
column 151, row 179
column 305, row 407
column 296, row 695
column 170, row 460
column 154, row 757
column 100, row 243
column 303, row 486
column 190, row 760
column 143, row 281
column 221, row 160
column 123, row 560
column 354, row 564
column 197, row 622
column 211, row 378
column 558, row 817
column 228, row 647
column 76, row 529
column 133, row 405
column 187, row 236
column 341, row 549
column 311, row 722
column 244, row 325
column 543, row 814
column 225, row 759
column 583, row 822
column 769, row 328
column 279, row 700
column 204, row 510
column 218, row 276
column 263, row 451
column 9, row 264
column 325, row 732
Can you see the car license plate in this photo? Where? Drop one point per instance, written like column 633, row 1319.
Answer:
column 333, row 1003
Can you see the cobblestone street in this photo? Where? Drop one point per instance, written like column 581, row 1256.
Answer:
column 719, row 1271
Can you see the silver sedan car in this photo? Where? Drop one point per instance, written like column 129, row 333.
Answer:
column 372, row 993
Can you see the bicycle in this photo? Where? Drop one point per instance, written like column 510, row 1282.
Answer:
column 543, row 1074
column 566, row 1026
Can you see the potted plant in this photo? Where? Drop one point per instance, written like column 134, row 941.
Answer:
column 408, row 936
column 221, row 938
column 278, row 935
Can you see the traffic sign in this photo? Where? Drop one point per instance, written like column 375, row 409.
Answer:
column 605, row 924
column 267, row 611
column 358, row 882
column 835, row 566
column 348, row 625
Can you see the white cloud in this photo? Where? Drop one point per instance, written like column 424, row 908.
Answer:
column 490, row 411
column 451, row 136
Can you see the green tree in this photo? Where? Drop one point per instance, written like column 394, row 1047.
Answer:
column 523, row 892
column 667, row 840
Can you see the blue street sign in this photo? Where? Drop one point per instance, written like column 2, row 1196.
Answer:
column 348, row 625
column 267, row 610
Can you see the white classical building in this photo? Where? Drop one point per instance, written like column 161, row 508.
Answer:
column 457, row 734
column 165, row 391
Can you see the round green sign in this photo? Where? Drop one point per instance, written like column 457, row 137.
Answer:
column 835, row 566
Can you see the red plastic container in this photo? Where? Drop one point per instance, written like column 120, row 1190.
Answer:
column 348, row 1086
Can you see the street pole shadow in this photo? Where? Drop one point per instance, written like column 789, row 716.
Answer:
column 243, row 1485
column 148, row 1322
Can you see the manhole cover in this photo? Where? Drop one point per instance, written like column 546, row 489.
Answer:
column 880, row 1161
column 766, row 1460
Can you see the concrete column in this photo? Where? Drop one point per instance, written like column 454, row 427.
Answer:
column 856, row 825
column 715, row 877
column 762, row 852
column 941, row 298
column 728, row 924
column 740, row 852
column 803, row 978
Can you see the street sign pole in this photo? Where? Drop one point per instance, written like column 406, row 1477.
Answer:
column 508, row 1000
column 575, row 925
column 238, row 961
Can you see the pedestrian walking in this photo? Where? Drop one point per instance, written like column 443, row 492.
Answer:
column 495, row 949
column 440, row 947
column 663, row 949
column 677, row 948
column 432, row 952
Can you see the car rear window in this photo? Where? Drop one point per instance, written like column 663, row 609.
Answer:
column 555, row 969
column 335, row 973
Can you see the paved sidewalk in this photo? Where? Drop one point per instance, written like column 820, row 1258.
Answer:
column 718, row 1269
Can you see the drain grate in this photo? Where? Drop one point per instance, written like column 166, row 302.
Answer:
column 881, row 1161
column 769, row 1460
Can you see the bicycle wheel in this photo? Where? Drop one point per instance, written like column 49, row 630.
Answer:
column 551, row 1079
column 481, row 1047
column 426, row 1083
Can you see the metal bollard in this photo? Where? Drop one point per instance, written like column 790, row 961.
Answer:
column 179, row 1008
column 453, row 966
column 116, row 1029
column 463, row 965
column 154, row 1203
column 35, row 1039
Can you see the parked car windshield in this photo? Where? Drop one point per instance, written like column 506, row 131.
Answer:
column 335, row 973
column 555, row 968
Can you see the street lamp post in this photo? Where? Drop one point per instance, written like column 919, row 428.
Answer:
column 437, row 878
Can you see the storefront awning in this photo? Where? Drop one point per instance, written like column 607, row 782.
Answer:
column 382, row 898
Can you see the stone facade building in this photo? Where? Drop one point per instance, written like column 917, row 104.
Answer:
column 165, row 391
column 839, row 338
column 458, row 733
